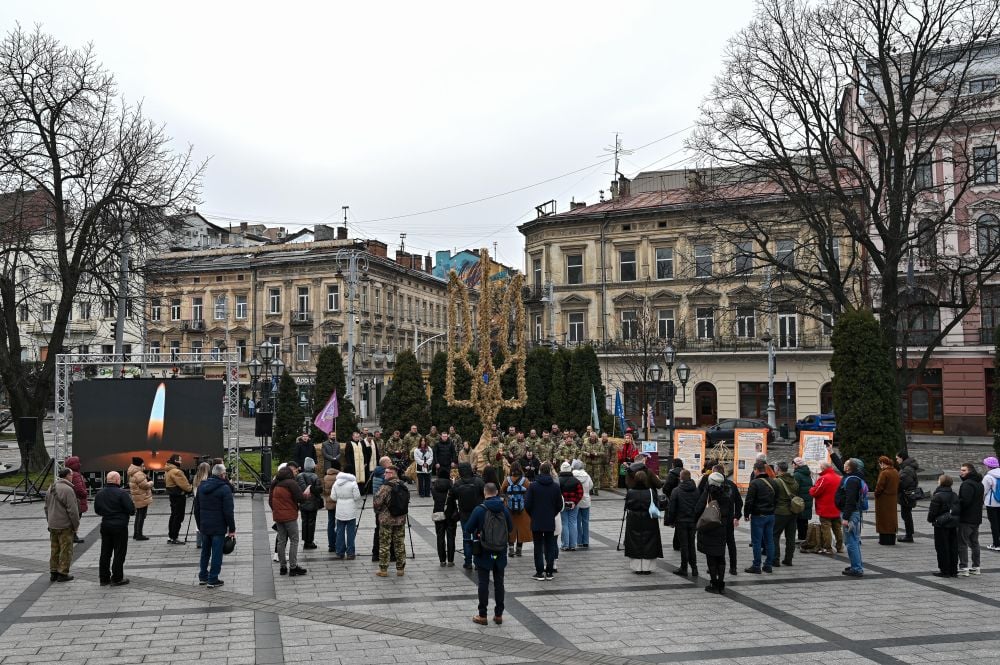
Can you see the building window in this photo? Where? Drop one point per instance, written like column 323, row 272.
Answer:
column 987, row 234
column 23, row 275
column 197, row 308
column 108, row 349
column 220, row 308
column 196, row 347
column 154, row 350
column 630, row 324
column 980, row 85
column 702, row 260
column 274, row 301
column 303, row 293
column 746, row 322
column 333, row 297
column 175, row 309
column 46, row 311
column 241, row 350
column 175, row 349
column 923, row 172
column 48, row 274
column 241, row 307
column 22, row 313
column 926, row 241
column 785, row 254
column 576, row 332
column 665, row 323
column 753, row 401
column 364, row 301
column 574, row 269
column 743, row 263
column 85, row 312
column 827, row 319
column 108, row 308
column 378, row 301
column 984, row 163
column 217, row 347
column 332, row 339
column 154, row 310
column 664, row 263
column 538, row 327
column 302, row 348
column 626, row 265
column 788, row 330
column 83, row 349
column 705, row 319
column 536, row 273
column 389, row 304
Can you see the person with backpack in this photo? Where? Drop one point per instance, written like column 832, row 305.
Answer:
column 787, row 506
column 491, row 525
column 852, row 500
column 908, row 484
column 445, row 516
column 682, row 515
column 572, row 493
column 943, row 514
column 314, row 501
column 513, row 490
column 583, row 508
column 758, row 509
column 886, row 498
column 542, row 502
column 712, row 535
column 468, row 491
column 391, row 505
column 991, row 499
column 970, row 504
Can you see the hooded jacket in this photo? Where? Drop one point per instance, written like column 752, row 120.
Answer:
column 468, row 491
column 786, row 487
column 825, row 492
column 308, row 478
column 908, row 475
column 989, row 483
column 970, row 499
column 803, row 476
column 943, row 500
column 329, row 478
column 346, row 493
column 682, row 509
column 76, row 478
column 115, row 506
column 489, row 560
column 571, row 488
column 285, row 497
column 214, row 506
column 174, row 480
column 139, row 486
column 62, row 510
column 378, row 477
column 587, row 483
column 543, row 501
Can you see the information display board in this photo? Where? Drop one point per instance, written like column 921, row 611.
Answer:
column 689, row 446
column 812, row 448
column 748, row 444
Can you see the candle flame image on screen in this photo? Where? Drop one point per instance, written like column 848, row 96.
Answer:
column 155, row 432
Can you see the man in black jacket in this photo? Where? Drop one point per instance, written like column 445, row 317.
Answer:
column 468, row 491
column 681, row 514
column 115, row 507
column 758, row 509
column 445, row 455
column 737, row 510
column 970, row 502
column 304, row 448
column 672, row 481
column 907, row 483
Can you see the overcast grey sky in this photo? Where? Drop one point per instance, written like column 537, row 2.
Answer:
column 399, row 107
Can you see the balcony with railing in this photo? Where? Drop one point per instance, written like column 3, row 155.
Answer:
column 301, row 318
column 193, row 325
column 720, row 344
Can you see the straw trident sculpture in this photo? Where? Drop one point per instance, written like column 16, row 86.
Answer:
column 491, row 340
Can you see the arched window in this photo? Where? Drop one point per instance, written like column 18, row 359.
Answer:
column 988, row 233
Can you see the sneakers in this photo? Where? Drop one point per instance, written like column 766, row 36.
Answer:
column 64, row 578
column 753, row 570
column 681, row 571
column 995, row 548
column 549, row 577
column 174, row 541
column 351, row 557
column 767, row 569
column 140, row 537
column 451, row 564
column 274, row 557
column 214, row 585
column 539, row 577
column 974, row 570
column 202, row 582
column 283, row 570
column 852, row 573
column 295, row 571
column 905, row 539
column 443, row 564
column 963, row 572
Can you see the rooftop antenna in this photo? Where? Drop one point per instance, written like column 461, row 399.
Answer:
column 402, row 242
column 618, row 150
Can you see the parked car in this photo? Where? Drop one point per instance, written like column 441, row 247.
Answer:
column 724, row 430
column 821, row 422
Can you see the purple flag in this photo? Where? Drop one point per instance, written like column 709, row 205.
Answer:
column 327, row 418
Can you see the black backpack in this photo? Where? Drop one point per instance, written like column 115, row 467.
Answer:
column 399, row 499
column 494, row 534
column 467, row 495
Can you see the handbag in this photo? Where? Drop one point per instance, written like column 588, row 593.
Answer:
column 796, row 504
column 654, row 510
column 437, row 516
column 710, row 518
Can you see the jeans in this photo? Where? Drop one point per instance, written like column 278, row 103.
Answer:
column 345, row 537
column 423, row 484
column 993, row 515
column 198, row 539
column 545, row 551
column 445, row 531
column 762, row 534
column 484, row 589
column 212, row 549
column 178, row 503
column 785, row 524
column 331, row 530
column 852, row 540
column 569, row 520
column 466, row 545
column 114, row 542
column 583, row 526
column 968, row 539
column 288, row 532
column 308, row 526
column 140, row 520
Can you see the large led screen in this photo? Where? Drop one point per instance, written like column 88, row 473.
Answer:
column 115, row 420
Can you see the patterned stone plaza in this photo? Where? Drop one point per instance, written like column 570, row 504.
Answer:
column 595, row 611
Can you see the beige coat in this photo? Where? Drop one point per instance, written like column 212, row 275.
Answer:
column 140, row 487
column 61, row 508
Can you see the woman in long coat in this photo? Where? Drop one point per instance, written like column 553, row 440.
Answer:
column 642, row 532
column 886, row 495
column 521, row 533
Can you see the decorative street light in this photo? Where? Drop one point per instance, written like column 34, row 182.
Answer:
column 654, row 373
column 683, row 373
column 265, row 367
column 768, row 339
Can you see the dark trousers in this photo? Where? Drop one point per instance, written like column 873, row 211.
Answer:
column 946, row 546
column 802, row 526
column 731, row 544
column 993, row 515
column 178, row 502
column 545, row 551
column 784, row 524
column 685, row 536
column 716, row 570
column 906, row 512
column 484, row 590
column 445, row 531
column 114, row 545
column 140, row 520
column 423, row 484
column 309, row 526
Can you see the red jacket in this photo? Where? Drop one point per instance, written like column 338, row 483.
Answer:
column 286, row 495
column 79, row 486
column 824, row 492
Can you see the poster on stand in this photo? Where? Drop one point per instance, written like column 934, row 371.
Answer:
column 812, row 448
column 689, row 446
column 748, row 444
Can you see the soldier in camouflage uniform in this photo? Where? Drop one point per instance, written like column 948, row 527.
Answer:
column 391, row 529
column 606, row 464
column 455, row 438
column 545, row 451
column 513, row 449
column 532, row 441
column 411, row 440
column 509, row 437
column 488, row 455
column 397, row 452
column 592, row 452
column 567, row 451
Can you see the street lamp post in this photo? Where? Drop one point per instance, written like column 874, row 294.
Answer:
column 768, row 339
column 356, row 263
column 683, row 373
column 654, row 373
column 266, row 366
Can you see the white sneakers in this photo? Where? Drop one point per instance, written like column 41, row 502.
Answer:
column 974, row 571
column 965, row 572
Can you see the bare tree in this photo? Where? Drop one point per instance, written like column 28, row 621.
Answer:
column 841, row 140
column 81, row 169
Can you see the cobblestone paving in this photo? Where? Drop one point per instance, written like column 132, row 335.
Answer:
column 595, row 611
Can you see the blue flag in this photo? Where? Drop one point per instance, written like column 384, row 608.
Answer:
column 619, row 410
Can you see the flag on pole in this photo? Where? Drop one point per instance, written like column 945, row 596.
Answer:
column 596, row 421
column 326, row 419
column 619, row 410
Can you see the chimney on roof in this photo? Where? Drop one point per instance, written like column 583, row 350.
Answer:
column 243, row 227
column 341, row 233
column 323, row 232
column 377, row 248
column 576, row 205
column 428, row 264
column 402, row 258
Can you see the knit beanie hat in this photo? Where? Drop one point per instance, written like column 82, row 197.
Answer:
column 859, row 466
column 716, row 479
column 576, row 465
column 310, row 464
column 565, row 467
column 991, row 463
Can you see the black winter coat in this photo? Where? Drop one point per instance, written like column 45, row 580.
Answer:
column 970, row 499
column 672, row 481
column 713, row 541
column 908, row 475
column 942, row 501
column 642, row 532
column 683, row 505
column 444, row 453
column 543, row 501
column 315, row 501
column 115, row 506
column 761, row 497
column 444, row 500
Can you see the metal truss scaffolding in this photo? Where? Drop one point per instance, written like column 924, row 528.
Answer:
column 71, row 367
